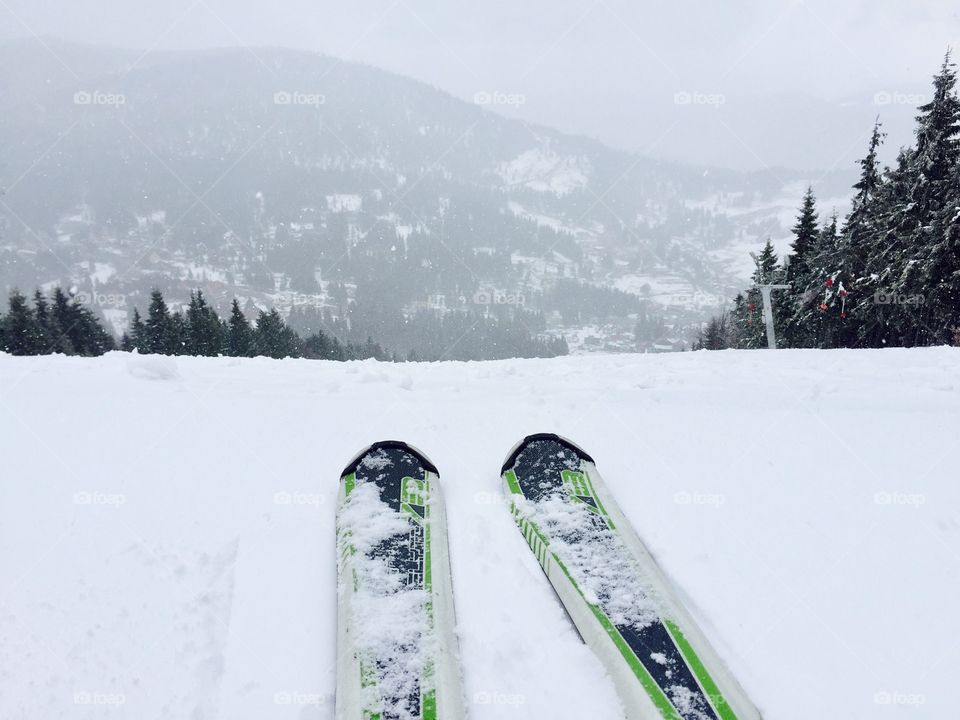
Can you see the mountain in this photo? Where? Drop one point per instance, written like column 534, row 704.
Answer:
column 294, row 179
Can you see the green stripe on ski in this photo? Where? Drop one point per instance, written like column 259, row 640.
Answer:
column 511, row 477
column 368, row 678
column 428, row 698
column 653, row 690
column 349, row 483
column 710, row 688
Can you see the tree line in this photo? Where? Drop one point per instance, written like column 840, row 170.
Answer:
column 199, row 330
column 62, row 324
column 888, row 274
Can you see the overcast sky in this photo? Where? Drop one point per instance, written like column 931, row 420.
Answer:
column 610, row 69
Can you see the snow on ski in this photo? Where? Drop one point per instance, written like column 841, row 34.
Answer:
column 397, row 650
column 616, row 595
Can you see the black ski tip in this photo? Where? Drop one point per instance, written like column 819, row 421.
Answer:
column 518, row 448
column 390, row 445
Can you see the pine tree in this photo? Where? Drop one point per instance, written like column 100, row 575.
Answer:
column 240, row 335
column 880, row 323
column 939, row 309
column 862, row 209
column 857, row 240
column 933, row 180
column 938, row 145
column 805, row 233
column 178, row 334
column 61, row 322
column 158, row 328
column 22, row 334
column 138, row 333
column 715, row 335
column 798, row 273
column 203, row 330
column 273, row 338
column 41, row 311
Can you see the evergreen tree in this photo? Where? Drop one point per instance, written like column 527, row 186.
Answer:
column 863, row 206
column 203, row 329
column 805, row 233
column 158, row 337
column 61, row 321
column 715, row 335
column 934, row 179
column 22, row 334
column 880, row 323
column 138, row 333
column 857, row 240
column 178, row 334
column 799, row 275
column 938, row 146
column 41, row 311
column 938, row 308
column 273, row 338
column 240, row 334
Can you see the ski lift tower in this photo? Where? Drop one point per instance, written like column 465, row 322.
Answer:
column 766, row 292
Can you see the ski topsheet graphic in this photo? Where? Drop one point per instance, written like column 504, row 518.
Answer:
column 397, row 651
column 619, row 600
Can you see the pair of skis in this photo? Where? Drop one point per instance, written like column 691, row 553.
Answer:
column 398, row 655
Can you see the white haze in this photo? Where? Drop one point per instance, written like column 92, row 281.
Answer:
column 769, row 83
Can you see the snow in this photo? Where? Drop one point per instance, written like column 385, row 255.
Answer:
column 167, row 543
column 543, row 220
column 390, row 620
column 344, row 202
column 544, row 171
column 597, row 560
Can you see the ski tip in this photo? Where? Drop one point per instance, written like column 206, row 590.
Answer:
column 390, row 445
column 518, row 448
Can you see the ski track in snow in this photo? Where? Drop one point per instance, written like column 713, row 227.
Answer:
column 167, row 526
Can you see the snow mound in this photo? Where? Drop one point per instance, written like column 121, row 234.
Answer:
column 152, row 367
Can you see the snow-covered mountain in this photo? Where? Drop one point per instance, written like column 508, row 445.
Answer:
column 270, row 174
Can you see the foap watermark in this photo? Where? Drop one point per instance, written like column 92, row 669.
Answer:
column 99, row 98
column 893, row 97
column 296, row 97
column 498, row 297
column 95, row 498
column 698, row 299
column 305, row 299
column 90, row 697
column 490, row 498
column 298, row 499
column 299, row 698
column 498, row 97
column 900, row 698
column 494, row 697
column 900, row 499
column 698, row 98
column 884, row 297
column 99, row 299
column 696, row 497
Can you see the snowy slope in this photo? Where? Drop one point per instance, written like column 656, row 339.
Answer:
column 167, row 526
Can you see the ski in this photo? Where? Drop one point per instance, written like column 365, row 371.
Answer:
column 397, row 649
column 617, row 597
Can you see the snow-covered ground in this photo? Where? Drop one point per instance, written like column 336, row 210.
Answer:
column 167, row 542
